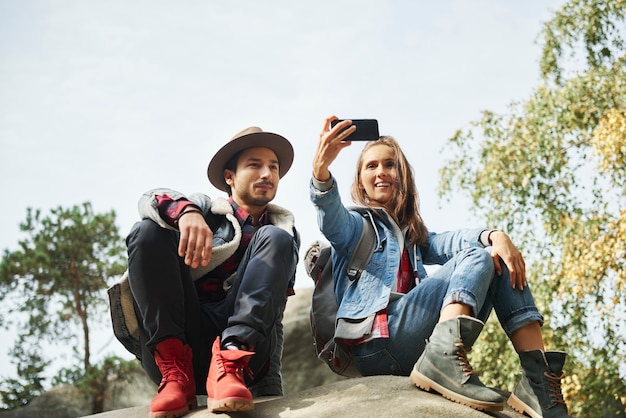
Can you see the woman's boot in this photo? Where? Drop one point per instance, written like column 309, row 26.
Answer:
column 539, row 394
column 444, row 367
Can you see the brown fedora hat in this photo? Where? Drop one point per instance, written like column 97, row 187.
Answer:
column 249, row 138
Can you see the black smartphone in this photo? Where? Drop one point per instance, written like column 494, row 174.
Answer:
column 366, row 129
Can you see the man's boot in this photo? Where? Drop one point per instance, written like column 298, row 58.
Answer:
column 444, row 367
column 177, row 390
column 539, row 394
column 225, row 385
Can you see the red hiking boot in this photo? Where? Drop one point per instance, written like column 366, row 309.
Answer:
column 177, row 390
column 225, row 385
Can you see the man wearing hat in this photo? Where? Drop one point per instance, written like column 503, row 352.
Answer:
column 210, row 279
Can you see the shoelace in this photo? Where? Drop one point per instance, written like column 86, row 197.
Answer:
column 235, row 366
column 555, row 387
column 461, row 355
column 172, row 370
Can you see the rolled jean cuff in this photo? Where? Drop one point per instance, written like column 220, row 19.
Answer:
column 520, row 319
column 462, row 296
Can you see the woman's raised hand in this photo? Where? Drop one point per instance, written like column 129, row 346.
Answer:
column 331, row 142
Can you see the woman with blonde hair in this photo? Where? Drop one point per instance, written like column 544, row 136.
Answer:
column 395, row 318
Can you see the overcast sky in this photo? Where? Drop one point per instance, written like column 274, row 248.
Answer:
column 103, row 100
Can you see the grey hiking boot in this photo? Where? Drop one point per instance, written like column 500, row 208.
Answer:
column 444, row 367
column 539, row 394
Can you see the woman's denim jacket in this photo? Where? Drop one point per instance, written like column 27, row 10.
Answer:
column 342, row 227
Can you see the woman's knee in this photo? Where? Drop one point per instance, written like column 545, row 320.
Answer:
column 481, row 259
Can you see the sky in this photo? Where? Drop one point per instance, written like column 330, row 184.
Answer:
column 103, row 100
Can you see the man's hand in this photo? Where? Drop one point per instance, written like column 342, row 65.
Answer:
column 196, row 238
column 502, row 248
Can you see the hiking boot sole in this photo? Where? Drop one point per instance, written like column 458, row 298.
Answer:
column 231, row 405
column 169, row 414
column 191, row 405
column 519, row 405
column 427, row 384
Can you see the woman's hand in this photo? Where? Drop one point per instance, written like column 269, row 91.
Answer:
column 502, row 248
column 196, row 238
column 329, row 146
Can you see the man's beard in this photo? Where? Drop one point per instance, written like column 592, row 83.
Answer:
column 257, row 200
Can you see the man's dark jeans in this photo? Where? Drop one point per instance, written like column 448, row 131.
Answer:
column 168, row 306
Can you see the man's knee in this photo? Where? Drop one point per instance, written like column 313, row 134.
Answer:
column 276, row 236
column 277, row 244
column 147, row 233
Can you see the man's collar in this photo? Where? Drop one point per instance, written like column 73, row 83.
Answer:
column 243, row 216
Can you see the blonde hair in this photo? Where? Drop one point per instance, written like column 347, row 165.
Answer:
column 404, row 205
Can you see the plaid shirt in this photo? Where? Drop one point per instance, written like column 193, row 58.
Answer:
column 404, row 283
column 210, row 288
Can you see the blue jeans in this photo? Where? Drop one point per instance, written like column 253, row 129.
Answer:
column 468, row 278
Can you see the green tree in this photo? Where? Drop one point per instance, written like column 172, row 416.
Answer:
column 30, row 382
column 552, row 172
column 95, row 382
column 53, row 290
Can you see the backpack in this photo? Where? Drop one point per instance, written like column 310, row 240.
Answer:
column 323, row 316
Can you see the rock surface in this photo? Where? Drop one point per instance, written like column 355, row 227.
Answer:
column 376, row 396
column 68, row 402
column 311, row 389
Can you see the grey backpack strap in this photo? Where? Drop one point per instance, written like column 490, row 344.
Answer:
column 363, row 250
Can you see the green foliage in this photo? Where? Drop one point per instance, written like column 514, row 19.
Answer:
column 95, row 381
column 56, row 281
column 493, row 345
column 30, row 366
column 552, row 172
column 593, row 25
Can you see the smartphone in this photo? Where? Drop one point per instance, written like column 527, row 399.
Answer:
column 366, row 129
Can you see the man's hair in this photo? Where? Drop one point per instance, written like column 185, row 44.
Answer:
column 231, row 165
column 404, row 204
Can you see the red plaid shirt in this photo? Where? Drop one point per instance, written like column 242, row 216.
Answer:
column 210, row 287
column 404, row 283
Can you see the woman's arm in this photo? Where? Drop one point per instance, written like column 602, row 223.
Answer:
column 335, row 221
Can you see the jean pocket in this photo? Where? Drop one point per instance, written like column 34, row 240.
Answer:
column 380, row 362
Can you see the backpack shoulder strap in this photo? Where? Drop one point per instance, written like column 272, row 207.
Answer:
column 363, row 250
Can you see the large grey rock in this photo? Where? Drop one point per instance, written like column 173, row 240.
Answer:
column 69, row 402
column 311, row 389
column 376, row 396
column 59, row 402
column 301, row 368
